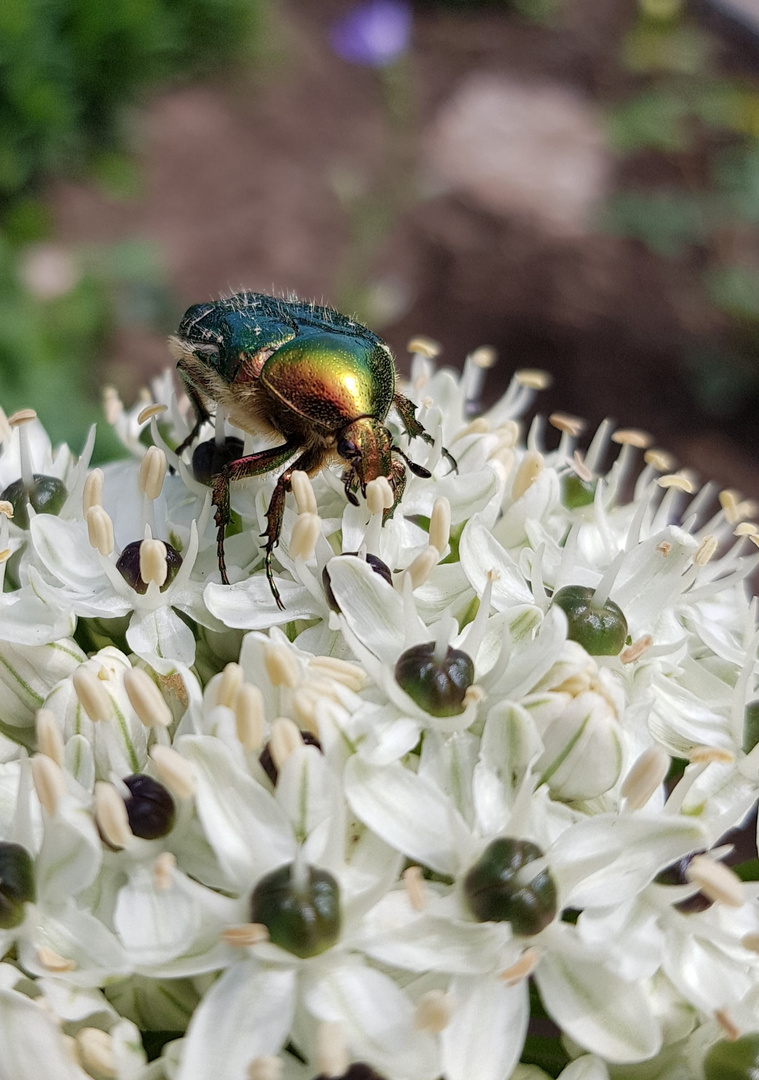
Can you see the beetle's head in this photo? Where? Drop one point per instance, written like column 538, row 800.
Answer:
column 366, row 445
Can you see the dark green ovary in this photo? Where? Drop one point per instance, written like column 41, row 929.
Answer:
column 331, row 379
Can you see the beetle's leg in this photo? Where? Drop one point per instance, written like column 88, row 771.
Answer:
column 407, row 411
column 308, row 462
column 198, row 407
column 398, row 484
column 252, row 465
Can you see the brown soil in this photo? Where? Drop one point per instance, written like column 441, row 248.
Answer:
column 239, row 192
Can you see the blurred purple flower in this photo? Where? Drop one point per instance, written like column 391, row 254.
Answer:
column 374, row 33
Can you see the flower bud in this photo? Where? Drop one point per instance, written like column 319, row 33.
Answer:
column 47, row 495
column 497, row 888
column 582, row 755
column 210, row 457
column 128, row 566
column 733, row 1059
column 302, row 916
column 16, row 884
column 600, row 629
column 377, row 565
column 438, row 686
column 150, row 808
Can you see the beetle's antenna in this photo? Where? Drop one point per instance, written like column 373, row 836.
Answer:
column 417, row 470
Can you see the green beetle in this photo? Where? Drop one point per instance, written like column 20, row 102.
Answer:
column 301, row 373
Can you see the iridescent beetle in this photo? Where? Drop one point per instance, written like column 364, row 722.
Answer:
column 302, row 373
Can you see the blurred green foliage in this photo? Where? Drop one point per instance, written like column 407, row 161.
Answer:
column 702, row 125
column 71, row 74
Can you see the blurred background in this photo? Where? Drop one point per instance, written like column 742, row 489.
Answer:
column 574, row 182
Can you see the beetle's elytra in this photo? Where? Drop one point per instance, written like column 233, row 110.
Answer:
column 316, row 381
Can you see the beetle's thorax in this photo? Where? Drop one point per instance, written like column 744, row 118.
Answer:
column 369, row 443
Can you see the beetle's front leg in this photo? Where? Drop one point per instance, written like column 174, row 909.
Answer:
column 241, row 469
column 398, row 484
column 407, row 411
column 308, row 462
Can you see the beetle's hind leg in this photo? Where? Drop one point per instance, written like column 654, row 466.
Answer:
column 407, row 411
column 252, row 465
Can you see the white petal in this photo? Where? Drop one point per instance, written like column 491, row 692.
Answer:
column 244, row 824
column 407, row 811
column 593, row 1006
column 480, row 553
column 372, row 608
column 376, row 1018
column 609, row 858
column 487, row 1032
column 245, row 1015
column 161, row 638
column 31, row 1043
column 249, row 604
column 306, row 790
column 71, row 853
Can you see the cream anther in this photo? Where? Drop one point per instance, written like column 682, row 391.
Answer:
column 100, row 530
column 265, row 1068
column 634, row 652
column 96, row 1051
column 730, row 1028
column 5, row 554
column 473, row 695
column 249, row 716
column 580, row 468
column 246, row 935
column 111, row 815
column 22, row 416
column 49, row 737
column 281, row 666
column 533, row 378
column 6, row 508
column 569, row 425
column 706, row 550
column 228, row 685
column 92, row 695
column 150, row 411
column 433, row 1011
column 146, row 699
column 478, row 426
column 709, row 755
column 53, row 961
column 523, row 967
column 48, row 780
column 413, row 882
column 285, row 737
column 303, row 490
column 631, row 437
column 92, row 494
column 332, row 1057
column 346, row 672
column 424, row 346
column 152, row 472
column 112, row 404
column 173, row 770
column 530, row 468
column 440, row 523
column 677, row 480
column 659, row 460
column 484, row 356
column 379, row 495
column 163, row 871
column 153, row 564
column 745, row 528
column 645, row 777
column 306, row 532
column 717, row 881
column 422, row 566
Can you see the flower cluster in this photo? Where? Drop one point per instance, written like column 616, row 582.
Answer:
column 459, row 810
